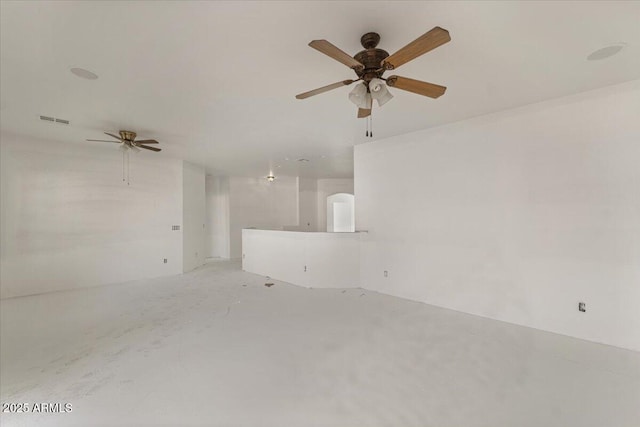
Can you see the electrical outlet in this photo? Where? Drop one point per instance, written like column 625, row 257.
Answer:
column 243, row 255
column 582, row 307
column 165, row 260
column 305, row 268
column 386, row 273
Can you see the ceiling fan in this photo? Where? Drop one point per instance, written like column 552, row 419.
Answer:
column 371, row 63
column 128, row 141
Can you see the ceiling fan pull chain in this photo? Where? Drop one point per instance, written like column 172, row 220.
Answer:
column 369, row 122
column 128, row 168
column 123, row 166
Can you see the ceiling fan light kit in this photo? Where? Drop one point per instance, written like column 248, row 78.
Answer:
column 371, row 63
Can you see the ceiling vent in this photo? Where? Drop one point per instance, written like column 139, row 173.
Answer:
column 54, row 120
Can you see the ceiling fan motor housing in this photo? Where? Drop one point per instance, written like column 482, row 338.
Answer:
column 127, row 135
column 371, row 58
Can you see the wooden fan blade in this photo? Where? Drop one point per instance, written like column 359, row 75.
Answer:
column 324, row 89
column 416, row 86
column 337, row 54
column 102, row 140
column 112, row 135
column 147, row 141
column 363, row 112
column 423, row 44
column 148, row 148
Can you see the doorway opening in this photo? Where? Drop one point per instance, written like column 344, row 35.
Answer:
column 341, row 213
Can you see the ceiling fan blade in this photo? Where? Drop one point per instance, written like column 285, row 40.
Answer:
column 363, row 112
column 324, row 89
column 149, row 148
column 423, row 44
column 102, row 140
column 416, row 86
column 112, row 135
column 330, row 50
column 147, row 141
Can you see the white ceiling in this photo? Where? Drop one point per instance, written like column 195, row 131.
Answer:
column 215, row 81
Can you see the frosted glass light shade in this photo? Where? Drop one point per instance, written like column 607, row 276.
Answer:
column 375, row 85
column 383, row 96
column 379, row 91
column 360, row 96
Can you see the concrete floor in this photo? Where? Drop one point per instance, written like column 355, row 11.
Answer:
column 216, row 347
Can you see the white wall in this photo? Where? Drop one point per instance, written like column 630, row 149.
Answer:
column 317, row 260
column 193, row 222
column 307, row 204
column 69, row 221
column 327, row 187
column 255, row 202
column 217, row 216
column 515, row 216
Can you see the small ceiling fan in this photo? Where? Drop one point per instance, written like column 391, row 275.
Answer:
column 371, row 63
column 128, row 141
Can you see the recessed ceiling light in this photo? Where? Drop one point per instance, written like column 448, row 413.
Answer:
column 84, row 74
column 303, row 160
column 606, row 52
